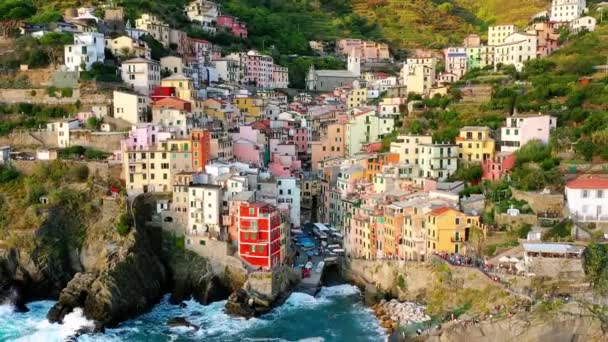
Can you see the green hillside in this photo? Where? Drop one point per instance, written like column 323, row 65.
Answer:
column 289, row 24
column 437, row 23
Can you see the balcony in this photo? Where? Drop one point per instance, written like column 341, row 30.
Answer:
column 457, row 239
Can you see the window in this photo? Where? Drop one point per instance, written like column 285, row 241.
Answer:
column 585, row 193
column 202, row 242
column 252, row 249
column 251, row 211
column 457, row 221
column 600, row 194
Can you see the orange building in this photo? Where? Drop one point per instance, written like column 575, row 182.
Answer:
column 378, row 161
column 201, row 145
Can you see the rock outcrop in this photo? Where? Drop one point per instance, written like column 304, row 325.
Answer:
column 394, row 313
column 127, row 278
column 195, row 277
column 135, row 279
column 41, row 268
column 262, row 292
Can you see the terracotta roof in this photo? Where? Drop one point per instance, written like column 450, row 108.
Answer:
column 588, row 183
column 441, row 211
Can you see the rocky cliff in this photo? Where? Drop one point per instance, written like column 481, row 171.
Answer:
column 523, row 328
column 40, row 267
column 122, row 277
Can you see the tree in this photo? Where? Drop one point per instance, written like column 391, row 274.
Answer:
column 468, row 173
column 12, row 12
column 585, row 148
column 53, row 43
column 595, row 265
column 94, row 123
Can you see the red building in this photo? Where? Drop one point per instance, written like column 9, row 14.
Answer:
column 201, row 148
column 162, row 92
column 232, row 25
column 260, row 235
column 495, row 169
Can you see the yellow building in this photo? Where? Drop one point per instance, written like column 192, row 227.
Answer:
column 184, row 87
column 357, row 98
column 249, row 108
column 152, row 170
column 448, row 230
column 475, row 144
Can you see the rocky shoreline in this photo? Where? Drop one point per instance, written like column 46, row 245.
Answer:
column 394, row 314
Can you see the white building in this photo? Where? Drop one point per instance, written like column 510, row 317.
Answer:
column 289, row 193
column 142, row 75
column 516, row 49
column 588, row 199
column 522, row 128
column 173, row 120
column 204, row 209
column 229, row 70
column 583, row 23
column 62, row 128
column 408, row 147
column 437, row 161
column 567, row 10
column 204, row 12
column 456, row 61
column 498, row 34
column 131, row 107
column 87, row 49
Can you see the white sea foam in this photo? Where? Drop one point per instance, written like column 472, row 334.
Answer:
column 338, row 291
column 6, row 309
column 47, row 331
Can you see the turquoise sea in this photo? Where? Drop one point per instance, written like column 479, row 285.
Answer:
column 334, row 314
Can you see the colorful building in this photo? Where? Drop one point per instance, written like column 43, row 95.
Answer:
column 496, row 168
column 260, row 235
column 522, row 128
column 449, row 230
column 475, row 144
column 201, row 148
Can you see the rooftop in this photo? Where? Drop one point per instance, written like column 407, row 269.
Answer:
column 140, row 60
column 588, row 183
column 557, row 248
column 335, row 73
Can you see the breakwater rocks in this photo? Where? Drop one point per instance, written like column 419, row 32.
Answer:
column 394, row 313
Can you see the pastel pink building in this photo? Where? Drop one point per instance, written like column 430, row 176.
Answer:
column 258, row 69
column 547, row 38
column 495, row 169
column 232, row 25
column 248, row 145
column 285, row 165
column 142, row 137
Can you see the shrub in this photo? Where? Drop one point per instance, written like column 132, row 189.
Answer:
column 122, row 227
column 79, row 173
column 7, row 174
column 32, row 93
column 67, row 92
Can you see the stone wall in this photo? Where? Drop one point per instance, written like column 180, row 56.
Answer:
column 211, row 249
column 30, row 139
column 541, row 203
column 105, row 141
column 41, row 97
column 271, row 284
column 100, row 169
column 515, row 221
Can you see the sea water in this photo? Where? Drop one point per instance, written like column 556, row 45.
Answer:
column 334, row 314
